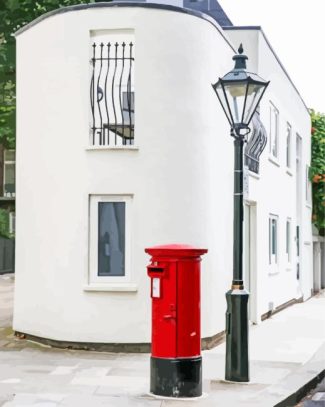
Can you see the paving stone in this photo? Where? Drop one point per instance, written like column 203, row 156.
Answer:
column 33, row 375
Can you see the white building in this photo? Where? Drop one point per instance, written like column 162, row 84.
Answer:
column 102, row 174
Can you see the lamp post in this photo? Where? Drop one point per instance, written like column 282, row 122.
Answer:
column 239, row 93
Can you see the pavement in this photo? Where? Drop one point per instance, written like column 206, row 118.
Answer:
column 287, row 351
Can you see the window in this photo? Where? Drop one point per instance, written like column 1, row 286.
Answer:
column 112, row 57
column 288, row 145
column 273, row 239
column 256, row 144
column 274, row 131
column 288, row 240
column 9, row 166
column 308, row 186
column 109, row 238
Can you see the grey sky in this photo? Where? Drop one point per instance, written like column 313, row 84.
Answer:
column 296, row 31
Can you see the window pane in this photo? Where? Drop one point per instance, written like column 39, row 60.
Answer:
column 9, row 155
column 274, row 236
column 288, row 146
column 111, row 238
column 270, row 241
column 274, row 128
column 287, row 237
column 9, row 179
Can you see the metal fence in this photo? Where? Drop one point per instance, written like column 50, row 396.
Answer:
column 112, row 94
column 7, row 255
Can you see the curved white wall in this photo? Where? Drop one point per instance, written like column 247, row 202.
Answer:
column 180, row 176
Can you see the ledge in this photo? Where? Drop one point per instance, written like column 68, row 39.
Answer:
column 274, row 272
column 142, row 347
column 105, row 148
column 289, row 172
column 117, row 287
column 274, row 161
column 253, row 174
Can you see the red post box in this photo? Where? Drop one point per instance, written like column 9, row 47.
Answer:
column 176, row 362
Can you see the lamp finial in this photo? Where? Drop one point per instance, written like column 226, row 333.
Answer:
column 240, row 49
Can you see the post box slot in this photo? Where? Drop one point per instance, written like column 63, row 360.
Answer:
column 156, row 269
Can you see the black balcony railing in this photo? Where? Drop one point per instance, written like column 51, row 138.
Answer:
column 112, row 94
column 255, row 144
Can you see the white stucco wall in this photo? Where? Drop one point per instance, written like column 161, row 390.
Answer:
column 274, row 190
column 180, row 176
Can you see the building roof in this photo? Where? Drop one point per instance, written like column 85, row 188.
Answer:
column 211, row 7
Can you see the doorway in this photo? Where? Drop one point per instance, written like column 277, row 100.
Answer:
column 250, row 277
column 298, row 206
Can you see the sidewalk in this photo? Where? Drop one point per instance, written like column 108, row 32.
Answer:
column 286, row 351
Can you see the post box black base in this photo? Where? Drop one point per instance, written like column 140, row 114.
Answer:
column 176, row 377
column 237, row 366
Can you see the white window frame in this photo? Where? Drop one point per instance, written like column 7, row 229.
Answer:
column 5, row 163
column 93, row 277
column 12, row 222
column 288, row 239
column 274, row 111
column 308, row 186
column 273, row 258
column 289, row 146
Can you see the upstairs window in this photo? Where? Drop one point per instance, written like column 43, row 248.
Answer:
column 255, row 144
column 288, row 146
column 274, row 131
column 308, row 186
column 112, row 88
column 9, row 169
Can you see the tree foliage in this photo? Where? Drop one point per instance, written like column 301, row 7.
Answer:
column 317, row 170
column 13, row 15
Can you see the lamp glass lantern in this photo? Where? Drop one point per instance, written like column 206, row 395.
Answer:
column 240, row 92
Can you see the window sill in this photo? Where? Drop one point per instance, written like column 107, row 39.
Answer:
column 253, row 175
column 113, row 287
column 274, row 160
column 309, row 206
column 129, row 147
column 289, row 172
column 273, row 272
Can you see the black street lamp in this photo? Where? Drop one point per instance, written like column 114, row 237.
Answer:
column 239, row 93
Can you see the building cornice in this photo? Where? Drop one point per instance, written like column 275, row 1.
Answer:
column 114, row 4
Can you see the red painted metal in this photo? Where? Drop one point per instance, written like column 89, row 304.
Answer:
column 176, row 331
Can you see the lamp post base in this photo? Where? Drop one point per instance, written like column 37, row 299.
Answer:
column 237, row 366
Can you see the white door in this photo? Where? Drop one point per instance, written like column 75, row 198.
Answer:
column 250, row 258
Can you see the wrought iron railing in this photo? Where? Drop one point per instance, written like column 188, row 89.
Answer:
column 255, row 144
column 112, row 94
